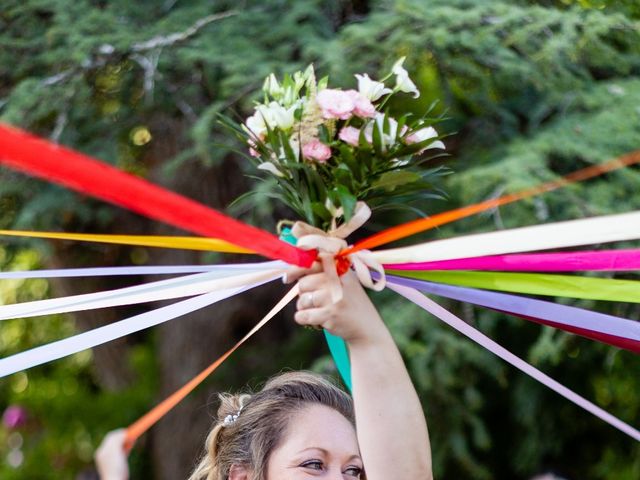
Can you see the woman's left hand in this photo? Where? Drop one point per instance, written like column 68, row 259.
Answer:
column 111, row 457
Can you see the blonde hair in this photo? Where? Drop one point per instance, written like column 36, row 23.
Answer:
column 249, row 438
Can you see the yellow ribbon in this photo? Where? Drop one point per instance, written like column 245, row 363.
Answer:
column 330, row 243
column 186, row 243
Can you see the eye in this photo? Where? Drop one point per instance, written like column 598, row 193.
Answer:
column 353, row 472
column 313, row 464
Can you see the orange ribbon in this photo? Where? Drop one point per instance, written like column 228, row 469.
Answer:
column 423, row 224
column 144, row 423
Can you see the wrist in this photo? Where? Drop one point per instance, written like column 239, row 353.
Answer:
column 375, row 337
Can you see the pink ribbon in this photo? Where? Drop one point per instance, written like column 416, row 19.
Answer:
column 536, row 262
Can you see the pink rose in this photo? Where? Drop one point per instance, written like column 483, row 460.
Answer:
column 363, row 107
column 350, row 135
column 335, row 104
column 316, row 150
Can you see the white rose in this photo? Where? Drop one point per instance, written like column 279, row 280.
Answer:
column 403, row 82
column 371, row 89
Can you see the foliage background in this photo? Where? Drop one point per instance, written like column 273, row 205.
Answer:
column 533, row 89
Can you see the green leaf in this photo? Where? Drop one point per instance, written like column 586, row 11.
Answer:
column 346, row 199
column 343, row 175
column 321, row 211
column 288, row 151
column 324, row 135
column 390, row 180
column 376, row 138
column 350, row 161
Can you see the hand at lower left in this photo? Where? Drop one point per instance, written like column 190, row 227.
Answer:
column 111, row 457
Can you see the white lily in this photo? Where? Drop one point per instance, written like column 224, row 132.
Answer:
column 275, row 115
column 425, row 134
column 255, row 126
column 403, row 82
column 371, row 89
column 271, row 168
column 388, row 138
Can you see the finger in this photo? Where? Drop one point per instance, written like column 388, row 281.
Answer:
column 295, row 273
column 305, row 301
column 314, row 317
column 314, row 281
column 313, row 299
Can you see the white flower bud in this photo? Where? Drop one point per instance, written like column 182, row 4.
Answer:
column 403, row 82
column 272, row 87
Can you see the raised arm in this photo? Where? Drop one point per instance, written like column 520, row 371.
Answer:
column 391, row 427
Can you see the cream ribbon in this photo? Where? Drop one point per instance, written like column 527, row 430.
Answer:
column 330, row 243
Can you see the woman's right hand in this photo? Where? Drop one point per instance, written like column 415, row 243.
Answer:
column 353, row 318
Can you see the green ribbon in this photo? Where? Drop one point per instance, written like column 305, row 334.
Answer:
column 534, row 283
column 337, row 345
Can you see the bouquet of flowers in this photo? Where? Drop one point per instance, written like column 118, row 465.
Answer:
column 329, row 148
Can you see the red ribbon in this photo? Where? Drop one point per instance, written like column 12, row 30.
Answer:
column 35, row 156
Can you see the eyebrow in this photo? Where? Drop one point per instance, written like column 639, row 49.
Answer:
column 326, row 452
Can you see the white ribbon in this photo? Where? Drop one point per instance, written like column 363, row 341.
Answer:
column 135, row 270
column 333, row 242
column 185, row 286
column 98, row 336
column 572, row 233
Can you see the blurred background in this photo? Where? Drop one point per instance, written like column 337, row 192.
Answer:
column 531, row 89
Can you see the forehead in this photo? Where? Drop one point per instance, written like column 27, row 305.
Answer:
column 318, row 426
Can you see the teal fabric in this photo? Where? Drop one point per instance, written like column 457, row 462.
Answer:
column 337, row 345
column 340, row 354
column 285, row 235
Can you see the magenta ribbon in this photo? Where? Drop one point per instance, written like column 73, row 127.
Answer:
column 537, row 262
column 497, row 349
column 609, row 329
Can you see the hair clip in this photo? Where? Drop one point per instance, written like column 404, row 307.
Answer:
column 231, row 418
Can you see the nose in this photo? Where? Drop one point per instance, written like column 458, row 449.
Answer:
column 336, row 474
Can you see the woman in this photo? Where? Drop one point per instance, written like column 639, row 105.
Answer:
column 301, row 426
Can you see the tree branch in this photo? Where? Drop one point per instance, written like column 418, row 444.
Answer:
column 165, row 41
column 106, row 51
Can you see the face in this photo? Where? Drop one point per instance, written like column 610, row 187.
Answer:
column 320, row 443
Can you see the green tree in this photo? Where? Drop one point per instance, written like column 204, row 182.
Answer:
column 533, row 90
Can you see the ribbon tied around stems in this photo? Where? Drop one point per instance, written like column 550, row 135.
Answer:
column 330, row 244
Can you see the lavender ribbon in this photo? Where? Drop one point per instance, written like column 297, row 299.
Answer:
column 529, row 307
column 450, row 319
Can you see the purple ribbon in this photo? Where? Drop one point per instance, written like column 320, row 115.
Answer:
column 609, row 329
column 478, row 337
